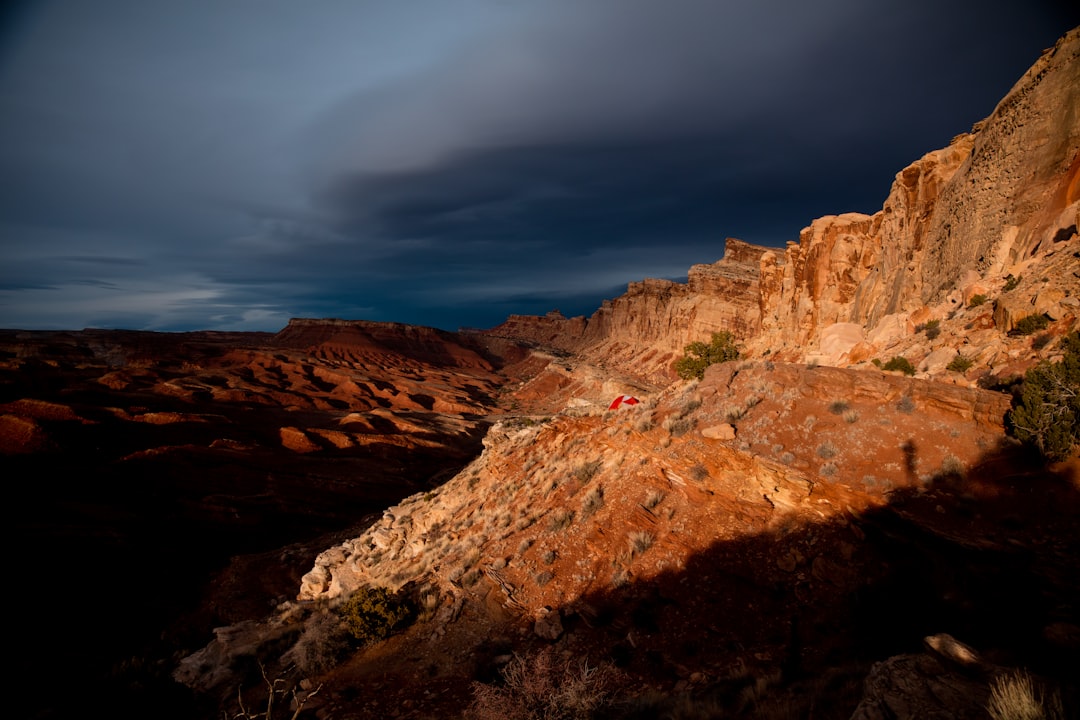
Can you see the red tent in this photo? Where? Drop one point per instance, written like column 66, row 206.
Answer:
column 623, row 400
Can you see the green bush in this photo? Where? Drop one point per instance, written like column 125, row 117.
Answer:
column 699, row 356
column 1011, row 282
column 977, row 300
column 900, row 363
column 1046, row 413
column 933, row 329
column 1030, row 324
column 374, row 613
column 961, row 363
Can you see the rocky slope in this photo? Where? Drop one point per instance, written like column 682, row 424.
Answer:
column 772, row 522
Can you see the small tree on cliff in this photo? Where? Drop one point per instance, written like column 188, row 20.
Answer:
column 1047, row 412
column 700, row 356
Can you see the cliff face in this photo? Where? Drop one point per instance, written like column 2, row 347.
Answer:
column 1000, row 200
column 968, row 215
column 642, row 331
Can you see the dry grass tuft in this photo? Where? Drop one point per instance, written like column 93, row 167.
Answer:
column 640, row 541
column 561, row 520
column 594, row 500
column 1014, row 696
column 654, row 498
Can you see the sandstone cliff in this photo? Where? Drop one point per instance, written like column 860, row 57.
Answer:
column 1001, row 200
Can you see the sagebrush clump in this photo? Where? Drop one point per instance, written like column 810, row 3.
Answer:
column 931, row 327
column 545, row 687
column 961, row 363
column 323, row 644
column 374, row 613
column 1030, row 324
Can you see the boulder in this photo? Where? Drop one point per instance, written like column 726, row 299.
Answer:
column 548, row 624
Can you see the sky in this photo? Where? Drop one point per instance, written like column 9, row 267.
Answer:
column 230, row 164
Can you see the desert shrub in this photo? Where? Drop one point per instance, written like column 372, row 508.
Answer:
column 838, row 407
column 322, row 645
column 828, row 469
column 594, row 500
column 374, row 613
column 543, row 687
column 900, row 363
column 977, row 300
column 932, row 329
column 906, row 405
column 653, row 498
column 682, row 426
column 1014, row 696
column 699, row 473
column 1046, row 413
column 561, row 520
column 1042, row 340
column 1012, row 282
column 851, row 417
column 587, row 471
column 961, row 363
column 1030, row 324
column 876, row 362
column 952, row 467
column 826, row 451
column 640, row 541
column 544, row 578
column 699, row 355
column 429, row 600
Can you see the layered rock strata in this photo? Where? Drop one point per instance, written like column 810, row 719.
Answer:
column 1000, row 201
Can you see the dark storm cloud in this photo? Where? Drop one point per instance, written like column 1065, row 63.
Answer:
column 229, row 165
column 659, row 127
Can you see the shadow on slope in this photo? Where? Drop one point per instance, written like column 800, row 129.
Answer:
column 990, row 558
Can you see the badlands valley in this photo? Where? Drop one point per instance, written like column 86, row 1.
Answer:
column 350, row 519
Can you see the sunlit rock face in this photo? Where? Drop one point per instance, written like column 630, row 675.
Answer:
column 1001, row 200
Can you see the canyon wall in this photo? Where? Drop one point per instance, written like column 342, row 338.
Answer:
column 1001, row 200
